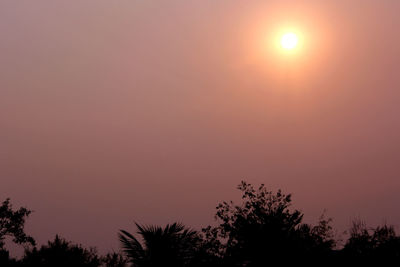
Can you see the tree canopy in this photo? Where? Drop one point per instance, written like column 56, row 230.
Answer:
column 263, row 229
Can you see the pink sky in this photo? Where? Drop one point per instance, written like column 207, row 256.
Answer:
column 114, row 111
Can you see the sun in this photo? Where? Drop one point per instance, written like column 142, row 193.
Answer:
column 289, row 41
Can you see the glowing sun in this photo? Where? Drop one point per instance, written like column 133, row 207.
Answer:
column 289, row 41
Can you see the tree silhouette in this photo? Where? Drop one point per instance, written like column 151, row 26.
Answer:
column 173, row 245
column 12, row 224
column 263, row 230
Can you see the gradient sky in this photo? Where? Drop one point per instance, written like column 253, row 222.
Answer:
column 115, row 111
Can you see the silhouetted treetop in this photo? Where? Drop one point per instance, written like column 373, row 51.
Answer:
column 173, row 245
column 263, row 228
column 12, row 224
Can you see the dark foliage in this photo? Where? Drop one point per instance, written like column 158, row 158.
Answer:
column 114, row 260
column 173, row 245
column 12, row 224
column 61, row 253
column 263, row 230
column 378, row 245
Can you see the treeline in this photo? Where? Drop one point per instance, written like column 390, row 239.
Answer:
column 263, row 230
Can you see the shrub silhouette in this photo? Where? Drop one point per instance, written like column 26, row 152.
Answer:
column 61, row 253
column 114, row 260
column 374, row 245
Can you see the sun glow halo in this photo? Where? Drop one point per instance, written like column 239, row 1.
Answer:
column 289, row 41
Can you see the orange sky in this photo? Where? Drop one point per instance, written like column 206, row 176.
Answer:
column 114, row 111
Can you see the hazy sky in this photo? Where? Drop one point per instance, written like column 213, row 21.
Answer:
column 115, row 111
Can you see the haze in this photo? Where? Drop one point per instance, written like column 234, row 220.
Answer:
column 153, row 111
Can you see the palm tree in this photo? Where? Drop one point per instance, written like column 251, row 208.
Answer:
column 173, row 245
